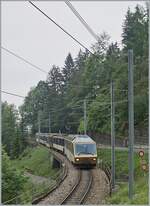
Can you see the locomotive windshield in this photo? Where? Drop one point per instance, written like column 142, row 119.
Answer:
column 85, row 149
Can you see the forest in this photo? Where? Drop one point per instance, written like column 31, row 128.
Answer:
column 88, row 77
column 62, row 94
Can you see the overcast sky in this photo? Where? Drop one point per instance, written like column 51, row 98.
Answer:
column 29, row 34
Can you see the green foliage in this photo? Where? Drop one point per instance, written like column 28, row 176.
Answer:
column 12, row 180
column 38, row 99
column 135, row 33
column 121, row 166
column 36, row 160
column 122, row 162
column 89, row 76
column 81, row 127
column 140, row 197
column 62, row 95
column 68, row 68
column 12, row 137
column 101, row 46
column 18, row 189
column 98, row 120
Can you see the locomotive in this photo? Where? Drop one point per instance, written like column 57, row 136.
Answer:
column 79, row 149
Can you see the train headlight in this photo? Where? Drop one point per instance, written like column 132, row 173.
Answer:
column 77, row 159
column 94, row 159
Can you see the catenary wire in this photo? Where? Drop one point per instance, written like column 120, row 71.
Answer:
column 23, row 59
column 26, row 61
column 9, row 93
column 60, row 27
column 36, row 67
column 81, row 19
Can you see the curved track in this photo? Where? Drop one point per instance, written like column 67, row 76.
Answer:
column 56, row 196
column 80, row 190
column 78, row 186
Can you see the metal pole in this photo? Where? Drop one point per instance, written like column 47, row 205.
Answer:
column 49, row 122
column 85, row 119
column 112, row 135
column 39, row 124
column 148, row 6
column 49, row 152
column 49, row 141
column 131, row 122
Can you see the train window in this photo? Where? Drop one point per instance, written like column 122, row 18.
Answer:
column 69, row 146
column 62, row 142
column 85, row 149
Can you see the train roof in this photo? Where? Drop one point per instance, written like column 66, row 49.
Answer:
column 50, row 135
column 83, row 138
column 42, row 134
column 79, row 138
column 72, row 137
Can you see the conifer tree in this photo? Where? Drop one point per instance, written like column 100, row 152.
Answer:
column 68, row 68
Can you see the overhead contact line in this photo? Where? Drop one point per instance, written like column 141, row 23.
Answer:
column 81, row 19
column 23, row 59
column 9, row 93
column 66, row 32
column 92, row 101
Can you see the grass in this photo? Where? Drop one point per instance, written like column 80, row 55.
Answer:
column 36, row 161
column 141, row 178
column 121, row 163
column 140, row 193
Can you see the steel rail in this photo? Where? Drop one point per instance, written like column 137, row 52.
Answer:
column 73, row 189
column 88, row 188
column 81, row 194
column 60, row 179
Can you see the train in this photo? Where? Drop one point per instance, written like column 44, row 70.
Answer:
column 79, row 149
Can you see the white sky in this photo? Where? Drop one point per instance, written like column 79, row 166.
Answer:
column 29, row 34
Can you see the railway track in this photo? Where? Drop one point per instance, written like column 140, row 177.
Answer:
column 80, row 190
column 56, row 195
column 81, row 186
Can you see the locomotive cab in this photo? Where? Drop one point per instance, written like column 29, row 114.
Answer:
column 85, row 152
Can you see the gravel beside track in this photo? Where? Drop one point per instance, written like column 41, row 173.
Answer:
column 57, row 196
column 76, row 197
column 96, row 195
column 99, row 190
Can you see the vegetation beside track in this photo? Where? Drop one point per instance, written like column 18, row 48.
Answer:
column 141, row 178
column 140, row 196
column 37, row 162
